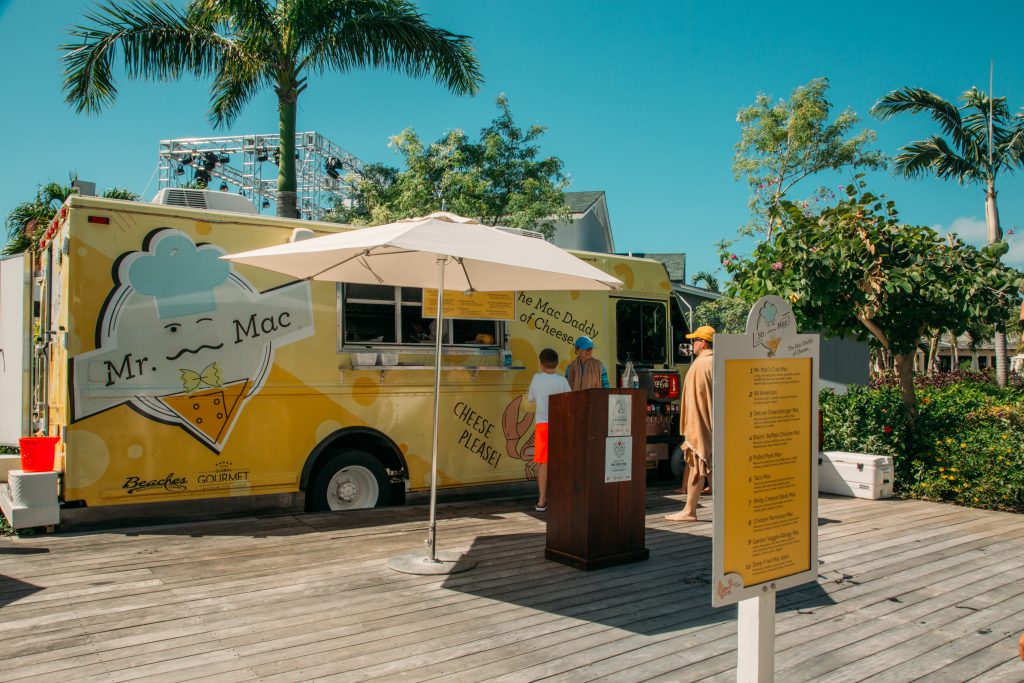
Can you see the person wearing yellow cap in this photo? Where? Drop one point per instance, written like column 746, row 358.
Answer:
column 696, row 421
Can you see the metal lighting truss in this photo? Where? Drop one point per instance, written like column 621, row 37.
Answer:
column 321, row 168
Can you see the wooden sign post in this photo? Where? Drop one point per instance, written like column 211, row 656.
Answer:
column 765, row 474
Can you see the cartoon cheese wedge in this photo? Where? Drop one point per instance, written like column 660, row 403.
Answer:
column 210, row 412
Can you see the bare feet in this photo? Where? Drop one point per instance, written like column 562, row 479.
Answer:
column 681, row 517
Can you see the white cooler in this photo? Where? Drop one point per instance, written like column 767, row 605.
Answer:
column 855, row 474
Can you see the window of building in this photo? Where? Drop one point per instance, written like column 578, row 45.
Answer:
column 380, row 315
column 641, row 328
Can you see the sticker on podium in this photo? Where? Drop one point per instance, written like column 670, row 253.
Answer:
column 618, row 459
column 620, row 409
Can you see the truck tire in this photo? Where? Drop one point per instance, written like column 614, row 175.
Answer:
column 350, row 480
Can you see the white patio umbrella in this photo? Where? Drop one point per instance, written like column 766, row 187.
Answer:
column 441, row 250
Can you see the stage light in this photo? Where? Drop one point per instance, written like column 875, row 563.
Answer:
column 223, row 187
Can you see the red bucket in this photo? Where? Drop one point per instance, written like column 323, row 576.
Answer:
column 37, row 453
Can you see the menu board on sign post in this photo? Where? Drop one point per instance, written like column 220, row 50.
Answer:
column 767, row 499
column 765, row 473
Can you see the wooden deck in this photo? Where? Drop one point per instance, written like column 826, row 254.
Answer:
column 908, row 591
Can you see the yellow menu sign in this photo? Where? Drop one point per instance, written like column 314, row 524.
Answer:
column 481, row 305
column 767, row 471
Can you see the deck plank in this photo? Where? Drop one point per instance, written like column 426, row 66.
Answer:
column 907, row 589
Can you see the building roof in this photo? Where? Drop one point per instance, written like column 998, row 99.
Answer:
column 696, row 291
column 589, row 226
column 675, row 264
column 579, row 202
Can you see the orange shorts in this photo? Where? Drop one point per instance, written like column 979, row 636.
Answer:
column 540, row 443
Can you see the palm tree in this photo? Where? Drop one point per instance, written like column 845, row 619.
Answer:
column 983, row 141
column 250, row 45
column 709, row 280
column 27, row 221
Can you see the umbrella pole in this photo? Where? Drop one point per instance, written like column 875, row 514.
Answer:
column 438, row 336
column 449, row 562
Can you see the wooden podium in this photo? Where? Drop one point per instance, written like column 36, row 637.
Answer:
column 593, row 522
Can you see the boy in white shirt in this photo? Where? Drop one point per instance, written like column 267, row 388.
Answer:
column 544, row 384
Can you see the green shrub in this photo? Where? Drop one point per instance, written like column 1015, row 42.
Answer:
column 967, row 448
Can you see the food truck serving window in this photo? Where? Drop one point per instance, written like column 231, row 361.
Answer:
column 641, row 329
column 382, row 315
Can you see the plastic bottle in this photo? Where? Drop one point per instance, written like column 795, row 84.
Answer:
column 630, row 380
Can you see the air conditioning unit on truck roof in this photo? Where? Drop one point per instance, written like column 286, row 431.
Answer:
column 204, row 199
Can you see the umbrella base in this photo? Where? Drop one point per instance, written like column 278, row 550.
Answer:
column 418, row 562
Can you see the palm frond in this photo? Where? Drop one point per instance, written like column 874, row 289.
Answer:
column 933, row 155
column 158, row 42
column 387, row 34
column 120, row 193
column 976, row 125
column 709, row 280
column 919, row 100
column 979, row 101
column 236, row 16
column 233, row 88
column 54, row 194
column 1009, row 153
column 16, row 245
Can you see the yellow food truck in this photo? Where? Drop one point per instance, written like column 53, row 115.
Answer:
column 172, row 375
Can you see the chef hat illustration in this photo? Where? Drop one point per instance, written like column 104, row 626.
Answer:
column 179, row 275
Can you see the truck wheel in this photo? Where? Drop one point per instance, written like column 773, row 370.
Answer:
column 350, row 480
column 675, row 462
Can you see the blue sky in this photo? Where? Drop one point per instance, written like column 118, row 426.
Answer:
column 639, row 99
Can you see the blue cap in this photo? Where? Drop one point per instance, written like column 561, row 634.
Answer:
column 584, row 342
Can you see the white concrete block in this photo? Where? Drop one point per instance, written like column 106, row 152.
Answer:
column 33, row 489
column 25, row 518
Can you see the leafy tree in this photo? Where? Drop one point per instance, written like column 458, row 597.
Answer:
column 982, row 140
column 709, row 280
column 498, row 179
column 782, row 143
column 251, row 45
column 27, row 221
column 854, row 269
column 727, row 315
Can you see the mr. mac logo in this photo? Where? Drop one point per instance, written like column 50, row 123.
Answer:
column 184, row 340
